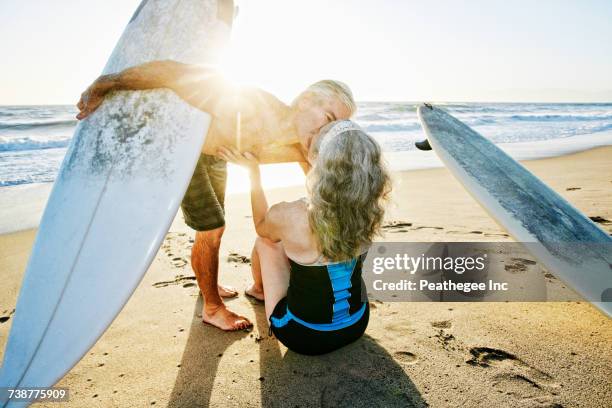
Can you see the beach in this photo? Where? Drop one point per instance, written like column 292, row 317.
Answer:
column 159, row 353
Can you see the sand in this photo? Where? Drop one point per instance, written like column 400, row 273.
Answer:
column 157, row 352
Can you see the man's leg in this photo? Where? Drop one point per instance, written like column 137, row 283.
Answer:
column 205, row 264
column 203, row 211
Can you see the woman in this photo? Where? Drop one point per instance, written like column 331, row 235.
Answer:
column 307, row 260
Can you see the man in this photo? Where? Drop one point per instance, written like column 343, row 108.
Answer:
column 248, row 119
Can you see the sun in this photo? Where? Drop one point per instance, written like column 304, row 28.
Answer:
column 274, row 46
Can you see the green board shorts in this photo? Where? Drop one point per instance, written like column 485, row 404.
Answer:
column 203, row 203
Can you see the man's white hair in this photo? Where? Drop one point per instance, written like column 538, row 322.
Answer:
column 330, row 88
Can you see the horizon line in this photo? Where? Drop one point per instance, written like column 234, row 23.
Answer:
column 382, row 100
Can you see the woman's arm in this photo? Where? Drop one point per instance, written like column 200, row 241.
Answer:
column 267, row 221
column 198, row 86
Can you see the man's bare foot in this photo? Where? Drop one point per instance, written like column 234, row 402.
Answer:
column 223, row 318
column 227, row 291
column 255, row 292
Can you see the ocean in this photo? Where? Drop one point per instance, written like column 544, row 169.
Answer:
column 34, row 139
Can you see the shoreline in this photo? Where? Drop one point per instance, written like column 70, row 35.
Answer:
column 23, row 204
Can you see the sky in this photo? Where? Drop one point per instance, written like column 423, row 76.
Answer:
column 394, row 50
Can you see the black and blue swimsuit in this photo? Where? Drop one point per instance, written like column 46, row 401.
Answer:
column 325, row 308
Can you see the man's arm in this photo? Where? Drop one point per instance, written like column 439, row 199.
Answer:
column 202, row 87
column 199, row 86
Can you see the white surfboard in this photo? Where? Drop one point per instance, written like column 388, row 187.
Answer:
column 117, row 192
column 567, row 242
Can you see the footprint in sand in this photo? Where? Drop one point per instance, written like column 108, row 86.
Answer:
column 399, row 327
column 486, row 234
column 179, row 262
column 442, row 324
column 447, row 340
column 600, row 220
column 6, row 315
column 525, row 261
column 401, row 226
column 518, row 386
column 518, row 265
column 516, row 378
column 186, row 281
column 177, row 247
column 425, row 227
column 487, row 357
column 406, row 357
column 237, row 258
column 515, row 268
column 396, row 226
column 492, row 234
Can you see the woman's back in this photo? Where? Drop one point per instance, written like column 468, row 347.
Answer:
column 326, row 293
column 298, row 240
column 322, row 297
column 320, row 292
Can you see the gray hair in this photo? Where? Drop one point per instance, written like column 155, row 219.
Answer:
column 348, row 187
column 330, row 88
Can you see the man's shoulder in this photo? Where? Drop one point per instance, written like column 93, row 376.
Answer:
column 249, row 101
column 259, row 97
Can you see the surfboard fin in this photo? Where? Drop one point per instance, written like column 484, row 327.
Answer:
column 423, row 145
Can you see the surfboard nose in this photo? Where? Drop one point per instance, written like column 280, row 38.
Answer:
column 422, row 110
column 424, row 106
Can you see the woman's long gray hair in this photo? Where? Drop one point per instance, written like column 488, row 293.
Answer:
column 348, row 187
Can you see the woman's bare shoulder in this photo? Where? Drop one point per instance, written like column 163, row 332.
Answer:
column 289, row 213
column 288, row 208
